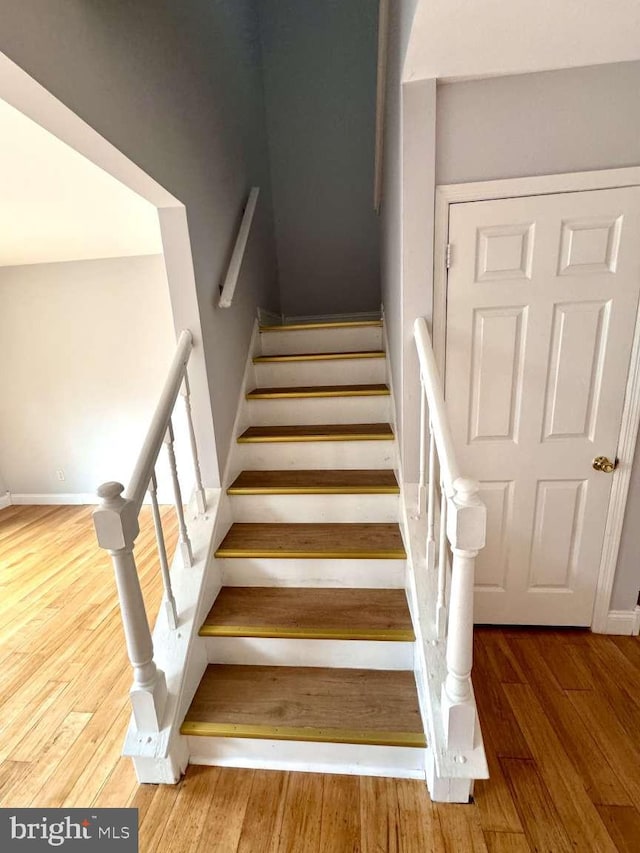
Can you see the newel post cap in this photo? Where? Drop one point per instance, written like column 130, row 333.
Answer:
column 115, row 519
column 467, row 517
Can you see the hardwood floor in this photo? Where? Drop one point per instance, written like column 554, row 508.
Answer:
column 560, row 712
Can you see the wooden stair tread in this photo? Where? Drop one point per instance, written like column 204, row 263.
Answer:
column 310, row 613
column 318, row 356
column 307, row 703
column 373, row 390
column 317, row 432
column 317, row 482
column 336, row 324
column 329, row 541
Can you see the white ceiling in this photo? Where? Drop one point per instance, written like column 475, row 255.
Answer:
column 55, row 205
column 458, row 39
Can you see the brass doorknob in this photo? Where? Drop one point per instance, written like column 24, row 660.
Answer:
column 602, row 463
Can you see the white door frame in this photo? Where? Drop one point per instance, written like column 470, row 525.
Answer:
column 545, row 185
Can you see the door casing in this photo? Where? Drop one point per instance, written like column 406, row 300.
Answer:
column 448, row 194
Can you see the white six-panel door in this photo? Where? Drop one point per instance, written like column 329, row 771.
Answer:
column 541, row 309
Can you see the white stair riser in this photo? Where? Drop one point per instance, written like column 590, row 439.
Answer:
column 319, row 410
column 296, row 455
column 350, row 371
column 276, row 651
column 352, row 759
column 265, row 571
column 314, row 508
column 322, row 340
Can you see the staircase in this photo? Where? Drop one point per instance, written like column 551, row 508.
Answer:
column 309, row 642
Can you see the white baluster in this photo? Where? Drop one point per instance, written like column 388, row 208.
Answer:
column 466, row 524
column 431, row 505
column 441, row 606
column 431, row 501
column 423, row 450
column 170, row 602
column 184, row 542
column 201, row 498
column 116, row 523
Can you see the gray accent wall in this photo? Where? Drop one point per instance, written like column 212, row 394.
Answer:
column 573, row 120
column 319, row 59
column 177, row 87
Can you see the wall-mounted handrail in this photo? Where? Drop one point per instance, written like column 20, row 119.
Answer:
column 116, row 523
column 462, row 527
column 231, row 279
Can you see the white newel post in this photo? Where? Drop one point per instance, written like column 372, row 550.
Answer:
column 466, row 525
column 116, row 524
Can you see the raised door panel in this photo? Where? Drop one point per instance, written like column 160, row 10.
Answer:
column 574, row 379
column 498, row 348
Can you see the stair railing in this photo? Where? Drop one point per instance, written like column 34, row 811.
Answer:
column 461, row 528
column 116, row 524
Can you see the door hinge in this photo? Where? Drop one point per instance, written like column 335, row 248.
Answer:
column 448, row 256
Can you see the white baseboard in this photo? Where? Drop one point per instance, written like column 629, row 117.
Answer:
column 54, row 499
column 331, row 318
column 625, row 622
column 5, row 500
column 72, row 499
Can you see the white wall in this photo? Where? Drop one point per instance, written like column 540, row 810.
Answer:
column 58, row 206
column 178, row 89
column 85, row 350
column 456, row 39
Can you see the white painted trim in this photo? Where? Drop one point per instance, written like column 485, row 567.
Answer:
column 623, row 622
column 231, row 279
column 381, row 91
column 284, row 651
column 541, row 185
column 5, row 500
column 75, row 499
column 66, row 499
column 345, row 758
column 330, row 318
column 448, row 194
column 619, row 489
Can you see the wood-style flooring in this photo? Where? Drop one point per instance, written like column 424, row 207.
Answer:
column 329, row 541
column 560, row 712
column 310, row 612
column 317, row 432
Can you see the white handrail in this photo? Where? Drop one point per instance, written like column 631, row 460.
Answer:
column 437, row 412
column 462, row 529
column 143, row 471
column 231, row 280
